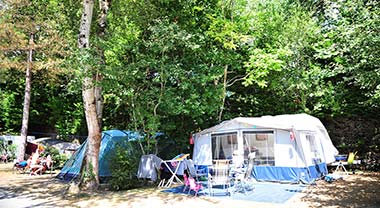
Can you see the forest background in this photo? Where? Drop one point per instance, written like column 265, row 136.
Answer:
column 178, row 67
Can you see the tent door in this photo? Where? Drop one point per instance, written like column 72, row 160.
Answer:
column 313, row 153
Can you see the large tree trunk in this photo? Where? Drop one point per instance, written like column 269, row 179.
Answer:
column 88, row 92
column 94, row 135
column 25, row 112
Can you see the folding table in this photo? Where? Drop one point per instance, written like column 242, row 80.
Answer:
column 340, row 166
column 174, row 178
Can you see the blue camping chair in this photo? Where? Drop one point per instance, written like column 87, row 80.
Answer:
column 194, row 171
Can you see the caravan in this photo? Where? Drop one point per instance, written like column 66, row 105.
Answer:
column 288, row 148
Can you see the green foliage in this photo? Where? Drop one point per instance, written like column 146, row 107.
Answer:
column 57, row 103
column 88, row 173
column 276, row 55
column 124, row 165
column 163, row 71
column 261, row 63
column 10, row 112
column 48, row 23
column 12, row 154
column 24, row 19
column 10, row 150
column 347, row 50
column 58, row 158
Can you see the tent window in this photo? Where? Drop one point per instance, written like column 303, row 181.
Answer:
column 223, row 145
column 261, row 142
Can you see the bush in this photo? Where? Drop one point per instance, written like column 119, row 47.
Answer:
column 10, row 150
column 125, row 161
column 58, row 158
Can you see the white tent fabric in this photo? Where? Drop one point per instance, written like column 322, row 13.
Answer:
column 285, row 122
column 60, row 145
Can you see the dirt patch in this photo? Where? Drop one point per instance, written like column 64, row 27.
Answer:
column 357, row 190
column 22, row 190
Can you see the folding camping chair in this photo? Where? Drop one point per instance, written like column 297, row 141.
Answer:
column 20, row 167
column 351, row 157
column 193, row 171
column 243, row 182
column 220, row 177
column 192, row 184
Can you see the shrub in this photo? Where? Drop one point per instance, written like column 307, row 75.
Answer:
column 125, row 161
column 58, row 158
column 10, row 150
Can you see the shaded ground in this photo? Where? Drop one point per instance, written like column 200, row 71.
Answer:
column 22, row 190
column 359, row 190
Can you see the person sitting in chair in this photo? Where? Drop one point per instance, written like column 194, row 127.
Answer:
column 4, row 158
column 47, row 163
column 35, row 165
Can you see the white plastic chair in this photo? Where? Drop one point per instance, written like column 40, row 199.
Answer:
column 220, row 177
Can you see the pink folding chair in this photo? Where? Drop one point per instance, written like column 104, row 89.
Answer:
column 187, row 182
column 194, row 185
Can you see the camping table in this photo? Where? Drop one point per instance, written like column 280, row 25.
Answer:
column 174, row 174
column 340, row 165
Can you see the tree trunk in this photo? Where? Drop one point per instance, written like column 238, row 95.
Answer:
column 91, row 181
column 224, row 93
column 94, row 135
column 25, row 112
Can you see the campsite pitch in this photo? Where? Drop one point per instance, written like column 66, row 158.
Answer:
column 22, row 190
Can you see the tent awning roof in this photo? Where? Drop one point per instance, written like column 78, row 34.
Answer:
column 286, row 122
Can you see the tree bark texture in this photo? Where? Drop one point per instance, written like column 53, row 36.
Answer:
column 85, row 24
column 94, row 134
column 88, row 93
column 104, row 7
column 25, row 111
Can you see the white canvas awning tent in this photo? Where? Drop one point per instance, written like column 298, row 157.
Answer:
column 292, row 148
column 63, row 147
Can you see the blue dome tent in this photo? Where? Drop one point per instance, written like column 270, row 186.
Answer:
column 110, row 139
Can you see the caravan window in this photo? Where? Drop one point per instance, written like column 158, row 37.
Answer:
column 223, row 145
column 261, row 142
